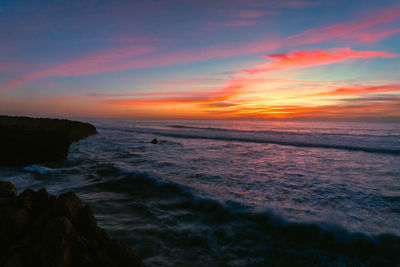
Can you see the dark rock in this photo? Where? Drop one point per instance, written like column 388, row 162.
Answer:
column 68, row 204
column 88, row 224
column 38, row 229
column 15, row 261
column 42, row 199
column 25, row 141
column 121, row 251
column 16, row 219
column 156, row 141
column 25, row 198
column 7, row 189
column 56, row 229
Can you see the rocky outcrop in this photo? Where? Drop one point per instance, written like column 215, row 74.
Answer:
column 25, row 141
column 38, row 229
column 155, row 141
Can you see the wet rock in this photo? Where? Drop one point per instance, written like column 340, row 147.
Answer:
column 38, row 229
column 25, row 141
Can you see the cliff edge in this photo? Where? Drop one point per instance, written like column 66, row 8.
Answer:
column 25, row 141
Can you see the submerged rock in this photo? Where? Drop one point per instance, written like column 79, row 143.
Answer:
column 38, row 229
column 25, row 141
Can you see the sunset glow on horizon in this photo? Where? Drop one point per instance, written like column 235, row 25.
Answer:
column 266, row 59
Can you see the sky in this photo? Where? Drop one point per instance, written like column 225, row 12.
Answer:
column 247, row 59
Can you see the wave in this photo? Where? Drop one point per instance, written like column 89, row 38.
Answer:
column 235, row 224
column 364, row 143
column 198, row 128
column 39, row 169
column 273, row 131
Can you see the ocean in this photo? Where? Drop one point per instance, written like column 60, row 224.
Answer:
column 226, row 192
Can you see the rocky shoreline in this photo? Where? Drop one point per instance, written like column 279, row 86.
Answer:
column 39, row 229
column 25, row 141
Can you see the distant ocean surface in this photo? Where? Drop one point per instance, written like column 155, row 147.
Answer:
column 202, row 196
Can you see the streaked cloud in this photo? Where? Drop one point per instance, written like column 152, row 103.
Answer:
column 124, row 58
column 251, row 14
column 357, row 90
column 315, row 57
column 359, row 30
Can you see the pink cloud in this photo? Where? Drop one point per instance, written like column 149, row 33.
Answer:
column 316, row 57
column 146, row 94
column 13, row 83
column 251, row 14
column 143, row 56
column 280, row 4
column 298, row 4
column 232, row 23
column 99, row 62
column 124, row 59
column 363, row 31
column 9, row 67
column 103, row 61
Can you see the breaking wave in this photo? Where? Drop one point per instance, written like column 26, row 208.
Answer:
column 260, row 227
column 365, row 143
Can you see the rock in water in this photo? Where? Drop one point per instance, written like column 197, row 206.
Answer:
column 157, row 142
column 38, row 229
column 25, row 141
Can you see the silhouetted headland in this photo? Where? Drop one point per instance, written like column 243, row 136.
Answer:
column 25, row 141
column 39, row 229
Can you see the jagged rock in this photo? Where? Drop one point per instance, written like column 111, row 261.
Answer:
column 68, row 204
column 25, row 141
column 38, row 229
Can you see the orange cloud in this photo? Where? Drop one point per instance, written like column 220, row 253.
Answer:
column 219, row 96
column 142, row 56
column 316, row 57
column 357, row 90
column 386, row 108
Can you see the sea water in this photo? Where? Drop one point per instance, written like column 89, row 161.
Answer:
column 206, row 194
